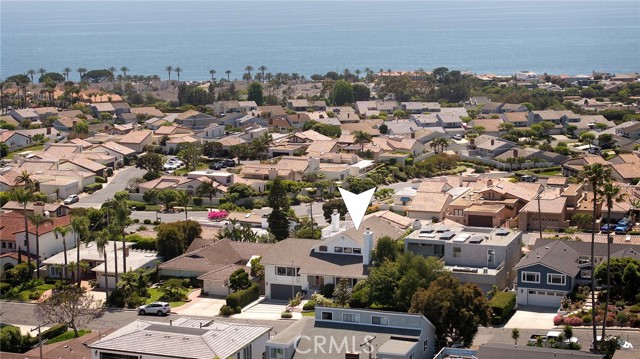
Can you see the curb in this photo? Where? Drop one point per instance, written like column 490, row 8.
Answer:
column 623, row 329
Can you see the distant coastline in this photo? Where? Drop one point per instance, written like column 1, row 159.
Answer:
column 501, row 37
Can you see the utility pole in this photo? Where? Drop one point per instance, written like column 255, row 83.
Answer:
column 311, row 216
column 39, row 329
column 540, row 212
column 367, row 343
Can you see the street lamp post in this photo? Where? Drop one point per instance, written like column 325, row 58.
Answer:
column 39, row 329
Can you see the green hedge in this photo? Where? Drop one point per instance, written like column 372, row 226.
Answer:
column 93, row 187
column 4, row 287
column 147, row 243
column 502, row 305
column 100, row 179
column 54, row 331
column 243, row 297
column 139, row 206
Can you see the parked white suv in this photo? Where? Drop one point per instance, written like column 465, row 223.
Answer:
column 159, row 308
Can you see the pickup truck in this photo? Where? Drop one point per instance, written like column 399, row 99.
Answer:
column 553, row 334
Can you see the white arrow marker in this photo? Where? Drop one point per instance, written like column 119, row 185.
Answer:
column 357, row 204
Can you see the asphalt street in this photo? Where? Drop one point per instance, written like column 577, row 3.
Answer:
column 117, row 183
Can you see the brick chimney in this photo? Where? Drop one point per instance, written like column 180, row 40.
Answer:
column 49, row 130
column 492, row 142
column 515, row 152
column 413, row 135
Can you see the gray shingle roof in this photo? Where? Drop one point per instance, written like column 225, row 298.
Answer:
column 557, row 255
column 218, row 339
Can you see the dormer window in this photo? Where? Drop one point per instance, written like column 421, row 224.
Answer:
column 338, row 249
column 322, row 249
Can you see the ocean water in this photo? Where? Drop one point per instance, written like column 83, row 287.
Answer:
column 318, row 36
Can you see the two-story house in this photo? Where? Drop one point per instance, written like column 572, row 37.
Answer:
column 484, row 256
column 355, row 333
column 344, row 252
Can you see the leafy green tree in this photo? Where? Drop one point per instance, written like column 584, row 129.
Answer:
column 173, row 289
column 97, row 75
column 168, row 197
column 342, row 293
column 278, row 218
column 386, row 249
column 455, row 310
column 257, row 268
column 358, row 185
column 70, row 306
column 631, row 279
column 609, row 346
column 12, row 340
column 212, row 149
column 440, row 73
column 170, row 242
column 151, row 162
column 342, row 93
column 330, row 205
column 239, row 279
column 587, row 137
column 54, row 76
column 190, row 154
column 361, row 92
column 207, row 189
column 193, row 95
column 361, row 137
column 254, row 93
column 81, row 127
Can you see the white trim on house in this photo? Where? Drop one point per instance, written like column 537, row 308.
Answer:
column 524, row 273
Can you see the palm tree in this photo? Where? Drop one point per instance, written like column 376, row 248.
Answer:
column 208, row 189
column 357, row 72
column 24, row 179
column 66, row 71
column 178, row 70
column 515, row 335
column 262, row 70
column 42, row 71
column 38, row 220
column 62, row 232
column 31, row 72
column 80, row 226
column 361, row 137
column 248, row 69
column 228, row 72
column 124, row 70
column 23, row 196
column 81, row 71
column 595, row 174
column 112, row 69
column 169, row 69
column 102, row 242
column 183, row 200
column 212, row 72
column 611, row 193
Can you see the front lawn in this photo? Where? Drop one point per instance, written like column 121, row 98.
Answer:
column 23, row 296
column 34, row 148
column 156, row 295
column 309, row 314
column 68, row 335
column 183, row 170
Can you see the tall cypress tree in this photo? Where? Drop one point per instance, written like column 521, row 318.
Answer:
column 279, row 202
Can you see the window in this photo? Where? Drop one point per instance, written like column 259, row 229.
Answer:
column 322, row 248
column 357, row 251
column 277, row 353
column 351, row 318
column 425, row 345
column 457, row 252
column 348, row 250
column 327, row 316
column 337, row 249
column 287, row 271
column 246, row 352
column 530, row 277
column 411, row 356
column 585, row 273
column 379, row 320
column 556, row 279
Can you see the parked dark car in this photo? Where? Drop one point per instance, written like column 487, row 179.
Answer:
column 230, row 162
column 607, row 228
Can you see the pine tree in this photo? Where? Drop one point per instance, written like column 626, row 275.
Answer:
column 279, row 202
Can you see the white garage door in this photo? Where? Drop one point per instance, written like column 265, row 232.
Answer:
column 544, row 298
column 215, row 287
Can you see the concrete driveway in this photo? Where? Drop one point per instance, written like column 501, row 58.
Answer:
column 201, row 307
column 267, row 310
column 531, row 317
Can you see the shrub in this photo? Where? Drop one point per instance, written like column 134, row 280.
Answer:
column 620, row 303
column 135, row 301
column 243, row 297
column 573, row 321
column 35, row 295
column 197, row 201
column 587, row 319
column 142, row 228
column 635, row 309
column 136, row 220
column 321, row 301
column 100, row 179
column 502, row 304
column 237, row 310
column 93, row 187
column 147, row 221
column 327, row 290
column 558, row 320
column 109, row 172
column 226, row 310
column 310, row 305
column 4, row 287
column 286, row 315
column 580, row 297
column 156, row 223
column 622, row 318
column 295, row 301
column 54, row 331
column 634, row 322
